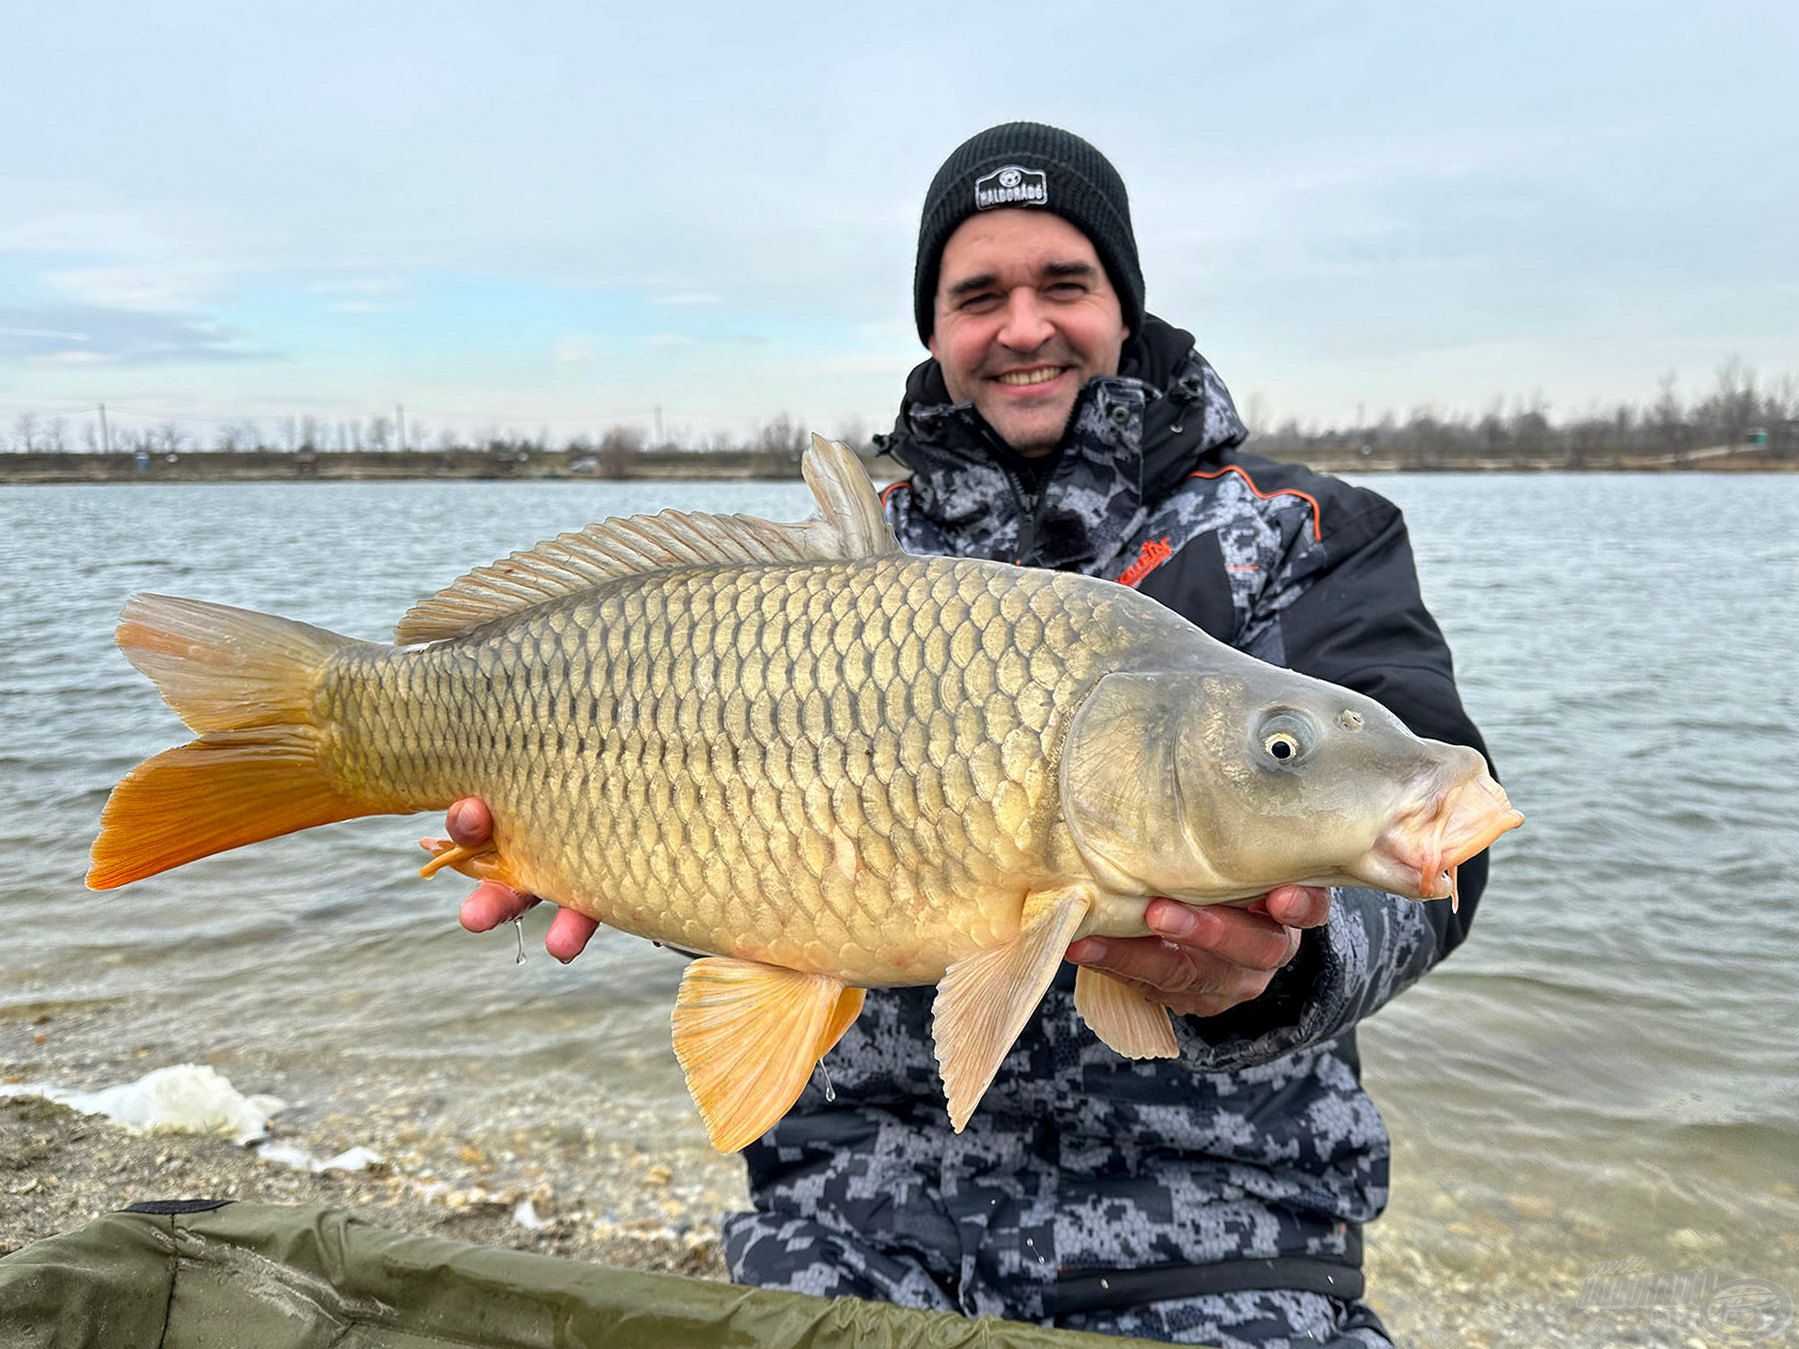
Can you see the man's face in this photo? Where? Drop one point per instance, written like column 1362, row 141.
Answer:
column 1025, row 316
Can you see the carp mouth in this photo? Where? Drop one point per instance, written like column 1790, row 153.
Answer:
column 1419, row 852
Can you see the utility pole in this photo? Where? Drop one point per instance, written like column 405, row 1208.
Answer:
column 400, row 418
column 105, row 436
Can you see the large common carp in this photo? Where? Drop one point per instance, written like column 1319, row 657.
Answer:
column 823, row 763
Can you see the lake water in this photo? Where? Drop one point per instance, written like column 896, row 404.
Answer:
column 1608, row 1069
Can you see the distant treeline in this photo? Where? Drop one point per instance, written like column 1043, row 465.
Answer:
column 1741, row 419
column 32, row 434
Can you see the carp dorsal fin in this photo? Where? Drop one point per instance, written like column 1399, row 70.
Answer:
column 848, row 523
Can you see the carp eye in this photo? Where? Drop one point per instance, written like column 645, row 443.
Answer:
column 1286, row 737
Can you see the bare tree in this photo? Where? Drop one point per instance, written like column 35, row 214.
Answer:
column 238, row 436
column 854, row 433
column 783, row 436
column 1669, row 419
column 618, row 447
column 1256, row 414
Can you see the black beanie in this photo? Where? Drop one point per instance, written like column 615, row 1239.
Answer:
column 1029, row 164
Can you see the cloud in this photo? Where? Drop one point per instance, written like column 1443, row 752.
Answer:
column 48, row 334
column 92, row 334
column 574, row 351
column 158, row 289
column 361, row 294
column 360, row 285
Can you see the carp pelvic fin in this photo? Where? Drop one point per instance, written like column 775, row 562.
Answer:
column 985, row 999
column 480, row 864
column 1127, row 1021
column 245, row 682
column 747, row 1035
column 848, row 523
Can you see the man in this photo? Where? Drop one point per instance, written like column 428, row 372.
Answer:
column 1217, row 1197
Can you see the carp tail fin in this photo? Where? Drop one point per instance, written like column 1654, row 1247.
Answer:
column 245, row 682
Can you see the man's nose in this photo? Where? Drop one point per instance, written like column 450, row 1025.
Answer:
column 1026, row 326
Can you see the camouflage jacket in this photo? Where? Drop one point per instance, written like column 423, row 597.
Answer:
column 1087, row 1183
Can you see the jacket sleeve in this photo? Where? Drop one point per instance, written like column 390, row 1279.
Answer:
column 1356, row 619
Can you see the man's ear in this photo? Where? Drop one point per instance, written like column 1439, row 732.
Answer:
column 931, row 346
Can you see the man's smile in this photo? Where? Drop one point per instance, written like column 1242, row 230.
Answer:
column 1037, row 374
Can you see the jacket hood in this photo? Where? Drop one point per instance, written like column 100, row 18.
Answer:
column 1131, row 439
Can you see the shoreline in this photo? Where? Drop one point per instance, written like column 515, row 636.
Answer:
column 216, row 466
column 1436, row 1273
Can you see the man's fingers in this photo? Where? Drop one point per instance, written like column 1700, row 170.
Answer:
column 1237, row 936
column 491, row 905
column 1299, row 905
column 1159, row 966
column 469, row 822
column 568, row 935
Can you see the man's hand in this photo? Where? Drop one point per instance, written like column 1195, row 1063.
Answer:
column 470, row 824
column 1207, row 960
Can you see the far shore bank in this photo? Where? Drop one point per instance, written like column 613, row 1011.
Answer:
column 515, row 465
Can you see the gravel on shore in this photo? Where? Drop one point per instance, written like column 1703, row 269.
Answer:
column 1438, row 1277
column 60, row 1169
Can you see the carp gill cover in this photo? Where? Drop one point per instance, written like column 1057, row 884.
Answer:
column 822, row 763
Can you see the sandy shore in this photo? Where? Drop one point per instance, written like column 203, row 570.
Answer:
column 1446, row 1279
column 58, row 1169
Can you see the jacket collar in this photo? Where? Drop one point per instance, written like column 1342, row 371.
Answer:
column 1132, row 437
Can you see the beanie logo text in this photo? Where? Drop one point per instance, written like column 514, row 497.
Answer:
column 1011, row 186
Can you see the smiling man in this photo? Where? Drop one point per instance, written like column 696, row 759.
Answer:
column 1217, row 1197
column 1027, row 318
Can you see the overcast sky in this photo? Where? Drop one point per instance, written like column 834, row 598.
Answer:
column 566, row 215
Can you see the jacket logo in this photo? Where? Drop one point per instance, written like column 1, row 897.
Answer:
column 1011, row 186
column 1152, row 555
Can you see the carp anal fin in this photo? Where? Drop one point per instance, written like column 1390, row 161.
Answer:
column 747, row 1035
column 1124, row 1019
column 848, row 523
column 985, row 999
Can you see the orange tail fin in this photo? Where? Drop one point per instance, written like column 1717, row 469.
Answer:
column 245, row 682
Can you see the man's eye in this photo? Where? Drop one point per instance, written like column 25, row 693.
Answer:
column 980, row 303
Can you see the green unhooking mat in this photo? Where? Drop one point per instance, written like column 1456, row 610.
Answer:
column 266, row 1276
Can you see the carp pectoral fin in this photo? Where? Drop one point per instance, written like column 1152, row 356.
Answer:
column 1131, row 1023
column 481, row 864
column 747, row 1036
column 985, row 999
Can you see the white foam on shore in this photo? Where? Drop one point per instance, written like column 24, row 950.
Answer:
column 351, row 1159
column 186, row 1098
